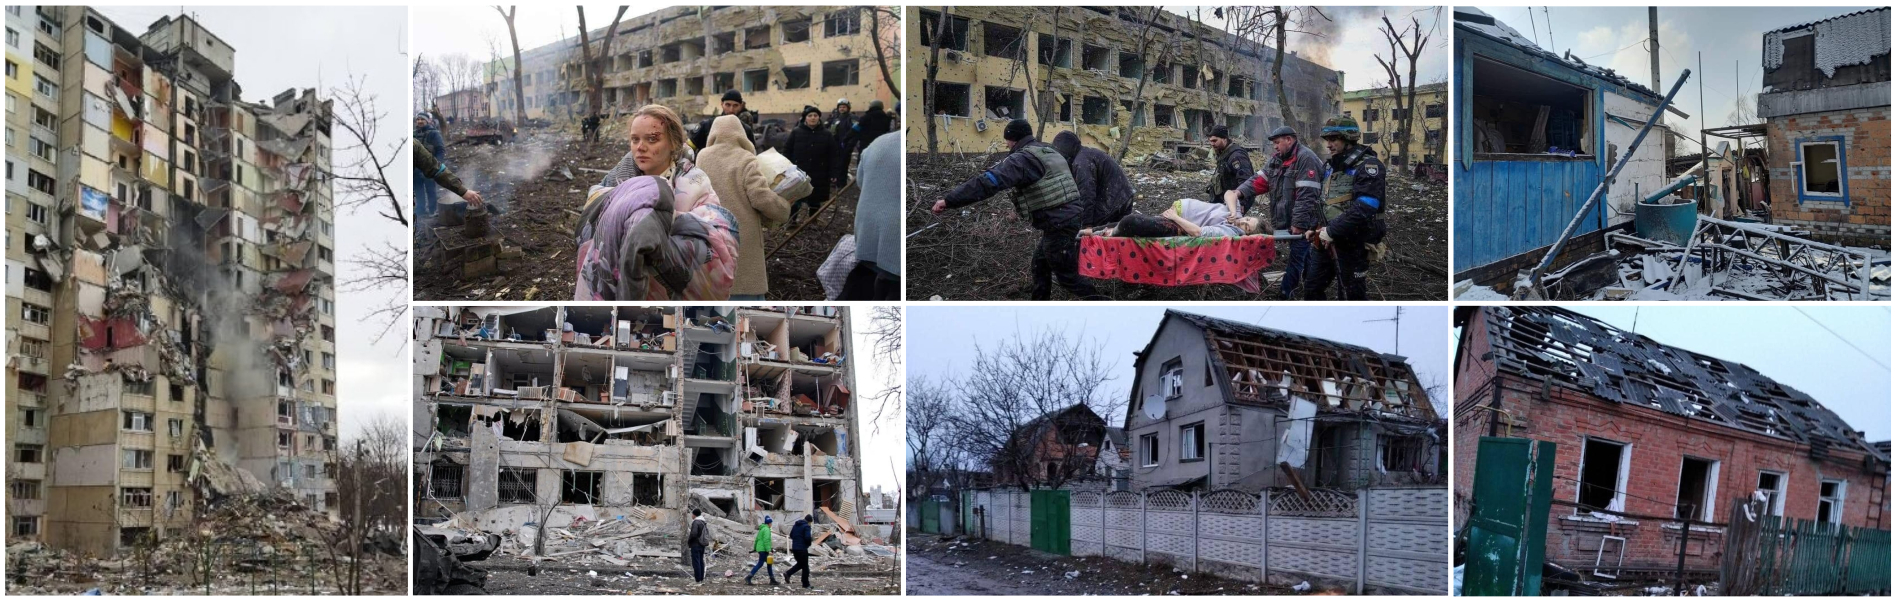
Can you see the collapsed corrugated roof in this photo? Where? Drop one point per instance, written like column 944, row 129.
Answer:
column 1266, row 366
column 1572, row 350
column 1473, row 20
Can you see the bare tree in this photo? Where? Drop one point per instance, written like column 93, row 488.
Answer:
column 928, row 434
column 934, row 68
column 595, row 63
column 1403, row 44
column 1144, row 74
column 426, row 82
column 519, row 86
column 884, row 46
column 1273, row 24
column 362, row 181
column 1043, row 104
column 1031, row 381
column 885, row 330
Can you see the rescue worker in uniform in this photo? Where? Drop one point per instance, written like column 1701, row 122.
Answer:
column 1293, row 174
column 1233, row 167
column 1349, row 220
column 1045, row 196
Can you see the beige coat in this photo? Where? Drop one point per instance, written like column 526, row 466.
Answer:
column 731, row 161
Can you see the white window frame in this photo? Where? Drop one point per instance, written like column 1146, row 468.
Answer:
column 1838, row 502
column 1709, row 501
column 1189, row 438
column 1149, row 451
column 1802, row 168
column 1171, row 381
column 1625, row 472
column 1774, row 497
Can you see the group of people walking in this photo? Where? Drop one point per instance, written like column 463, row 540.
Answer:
column 1067, row 191
column 700, row 539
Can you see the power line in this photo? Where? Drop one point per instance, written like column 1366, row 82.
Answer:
column 1627, row 47
column 1839, row 337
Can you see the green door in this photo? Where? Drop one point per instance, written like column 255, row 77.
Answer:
column 1506, row 538
column 969, row 526
column 1052, row 521
column 931, row 516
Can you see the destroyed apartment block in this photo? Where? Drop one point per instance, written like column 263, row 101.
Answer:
column 1651, row 439
column 175, row 339
column 1331, row 415
column 1080, row 69
column 618, row 420
column 781, row 58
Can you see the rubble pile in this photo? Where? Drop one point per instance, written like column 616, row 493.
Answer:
column 951, row 565
column 642, row 538
column 244, row 544
column 982, row 252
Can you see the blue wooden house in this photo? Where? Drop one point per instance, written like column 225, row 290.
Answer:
column 1535, row 132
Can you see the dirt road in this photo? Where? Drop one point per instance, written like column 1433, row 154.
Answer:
column 940, row 566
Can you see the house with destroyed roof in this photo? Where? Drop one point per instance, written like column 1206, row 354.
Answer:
column 1218, row 404
column 1648, row 435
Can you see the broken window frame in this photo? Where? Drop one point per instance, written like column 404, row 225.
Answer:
column 1171, row 379
column 801, row 29
column 574, row 491
column 851, row 70
column 1584, row 112
column 1014, row 100
column 1054, row 51
column 965, row 96
column 751, row 85
column 956, row 31
column 796, row 77
column 1402, row 453
column 135, row 497
column 757, row 38
column 25, row 526
column 1095, row 110
column 1707, row 500
column 1834, row 504
column 1192, row 447
column 1773, row 496
column 1623, row 471
column 844, row 22
column 1087, row 53
column 1803, row 169
column 1011, row 44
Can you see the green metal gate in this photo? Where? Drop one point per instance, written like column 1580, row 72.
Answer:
column 931, row 516
column 1052, row 521
column 969, row 525
column 1506, row 537
column 1780, row 556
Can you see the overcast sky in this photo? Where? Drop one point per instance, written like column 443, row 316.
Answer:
column 882, row 440
column 279, row 48
column 941, row 340
column 1784, row 344
column 1731, row 39
column 1352, row 38
column 469, row 29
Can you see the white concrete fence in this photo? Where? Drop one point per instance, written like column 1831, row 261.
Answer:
column 1379, row 540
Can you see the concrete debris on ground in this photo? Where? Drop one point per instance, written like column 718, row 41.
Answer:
column 983, row 251
column 246, row 544
column 644, row 539
column 953, row 565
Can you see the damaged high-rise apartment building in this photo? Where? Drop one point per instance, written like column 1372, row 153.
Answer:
column 170, row 328
column 642, row 412
column 1085, row 67
column 781, row 58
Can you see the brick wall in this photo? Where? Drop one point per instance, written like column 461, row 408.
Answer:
column 1659, row 441
column 1864, row 219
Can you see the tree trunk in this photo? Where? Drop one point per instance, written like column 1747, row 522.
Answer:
column 519, row 85
column 934, row 67
column 881, row 54
column 1276, row 72
column 1138, row 95
column 1044, row 106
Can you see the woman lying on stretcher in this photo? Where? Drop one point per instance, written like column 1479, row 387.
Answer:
column 1186, row 217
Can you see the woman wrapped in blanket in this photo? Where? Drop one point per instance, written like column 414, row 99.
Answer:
column 653, row 228
column 1185, row 217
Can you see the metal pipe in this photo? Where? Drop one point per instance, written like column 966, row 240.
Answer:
column 1667, row 190
column 1533, row 277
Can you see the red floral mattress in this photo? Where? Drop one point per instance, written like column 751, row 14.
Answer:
column 1175, row 261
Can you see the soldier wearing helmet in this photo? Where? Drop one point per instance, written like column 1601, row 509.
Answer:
column 1349, row 219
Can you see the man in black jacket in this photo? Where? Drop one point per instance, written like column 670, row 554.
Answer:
column 733, row 104
column 1103, row 188
column 873, row 124
column 1233, row 166
column 1292, row 174
column 841, row 122
column 699, row 538
column 1349, row 220
column 813, row 149
column 1045, row 196
column 799, row 547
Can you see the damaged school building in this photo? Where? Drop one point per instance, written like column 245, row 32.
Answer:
column 1083, row 67
column 1644, row 437
column 781, row 58
column 170, row 300
column 1788, row 209
column 636, row 413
